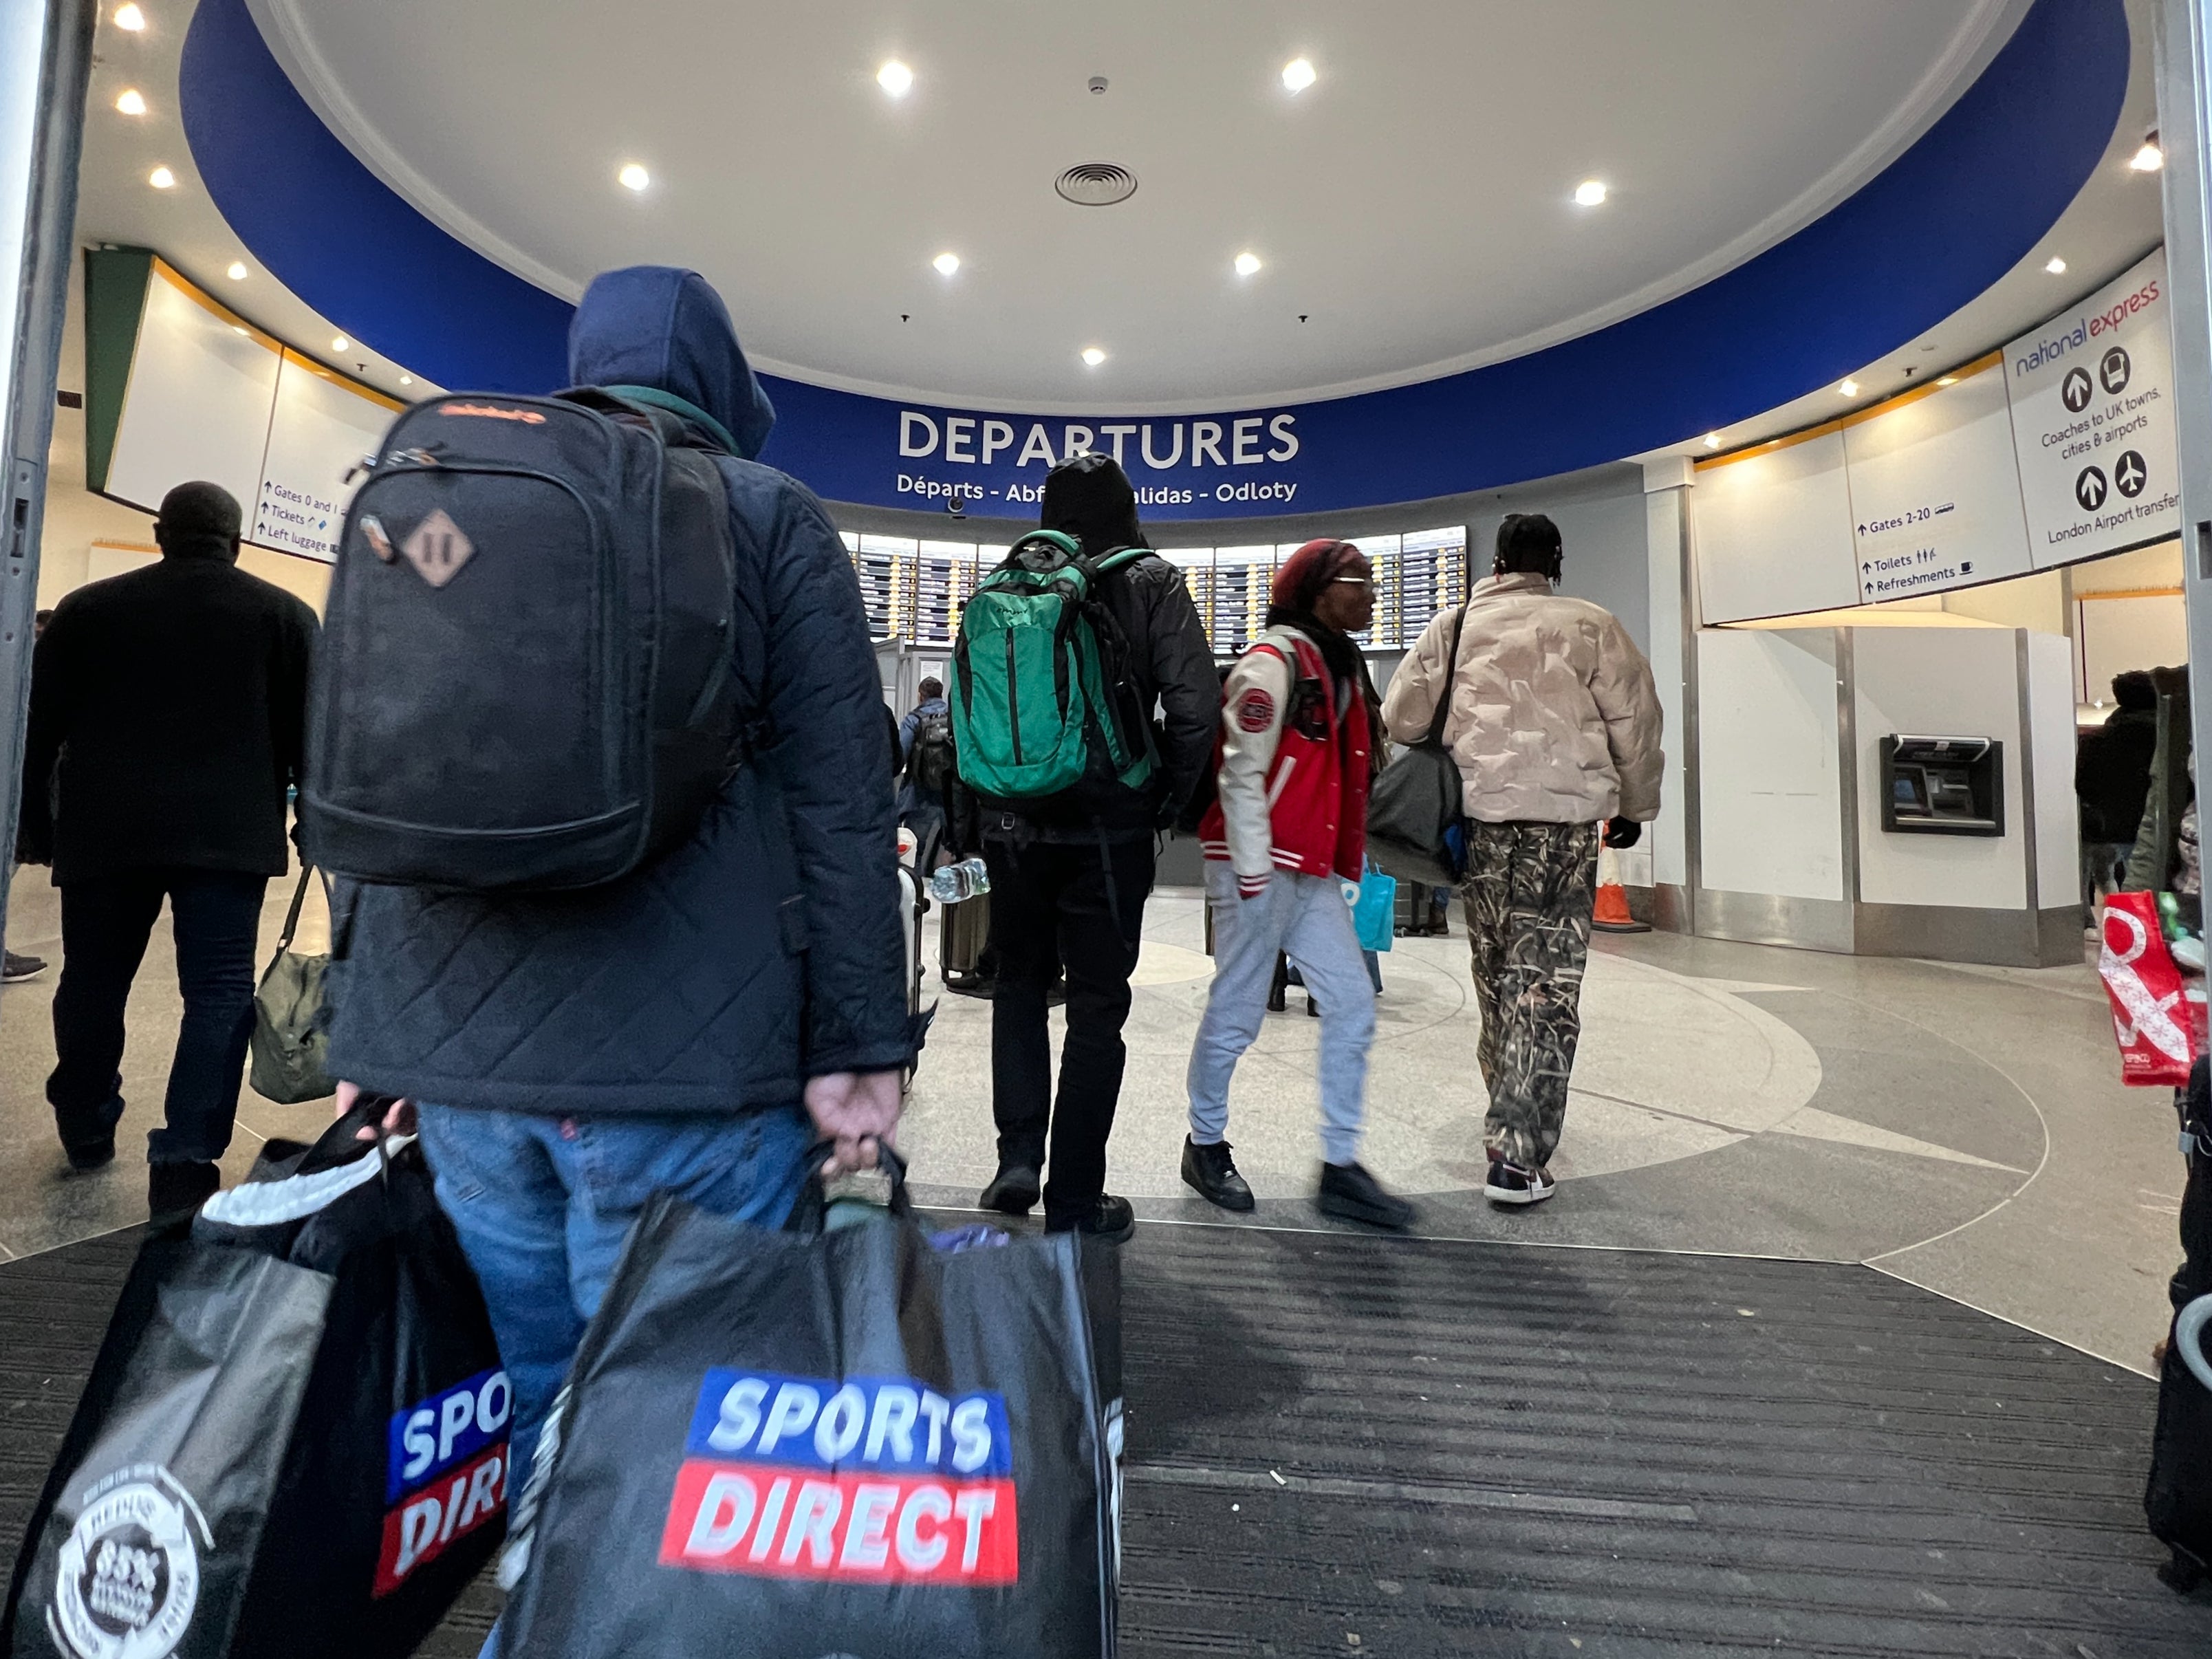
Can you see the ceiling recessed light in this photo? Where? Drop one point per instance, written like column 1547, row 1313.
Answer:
column 2055, row 265
column 633, row 177
column 131, row 101
column 2149, row 158
column 1849, row 388
column 946, row 263
column 1589, row 193
column 161, row 179
column 1946, row 379
column 1713, row 441
column 237, row 273
column 1246, row 263
column 1093, row 356
column 1298, row 74
column 407, row 379
column 341, row 343
column 896, row 78
column 130, row 19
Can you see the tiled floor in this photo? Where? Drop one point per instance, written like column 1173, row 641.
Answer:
column 1962, row 1128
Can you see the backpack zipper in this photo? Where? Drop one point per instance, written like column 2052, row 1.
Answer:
column 1013, row 701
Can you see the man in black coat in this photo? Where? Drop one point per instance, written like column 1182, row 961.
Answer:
column 2112, row 780
column 1068, row 885
column 166, row 711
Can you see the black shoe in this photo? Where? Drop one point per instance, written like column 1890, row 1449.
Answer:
column 1208, row 1171
column 91, row 1154
column 14, row 969
column 1111, row 1221
column 178, row 1189
column 1350, row 1194
column 1012, row 1192
column 1513, row 1183
column 1312, row 1013
column 1277, row 1001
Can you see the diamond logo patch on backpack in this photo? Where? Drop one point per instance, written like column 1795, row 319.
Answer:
column 437, row 548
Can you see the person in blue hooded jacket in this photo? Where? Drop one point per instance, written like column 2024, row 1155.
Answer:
column 573, row 1052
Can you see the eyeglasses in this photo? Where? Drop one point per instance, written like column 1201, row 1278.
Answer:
column 1364, row 582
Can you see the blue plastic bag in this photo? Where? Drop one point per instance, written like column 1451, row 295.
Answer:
column 1374, row 910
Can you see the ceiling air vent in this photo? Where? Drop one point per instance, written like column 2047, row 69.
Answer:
column 1097, row 183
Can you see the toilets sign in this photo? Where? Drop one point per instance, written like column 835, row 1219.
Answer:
column 1187, row 466
column 2092, row 394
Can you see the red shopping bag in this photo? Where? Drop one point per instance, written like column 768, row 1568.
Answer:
column 2159, row 1030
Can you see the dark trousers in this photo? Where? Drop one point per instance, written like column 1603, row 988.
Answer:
column 1081, row 907
column 105, row 923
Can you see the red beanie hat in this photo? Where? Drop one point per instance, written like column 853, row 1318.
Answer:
column 1300, row 578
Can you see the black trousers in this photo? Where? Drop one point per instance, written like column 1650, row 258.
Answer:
column 1080, row 907
column 106, row 924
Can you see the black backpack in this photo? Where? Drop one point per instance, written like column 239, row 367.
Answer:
column 929, row 763
column 524, row 681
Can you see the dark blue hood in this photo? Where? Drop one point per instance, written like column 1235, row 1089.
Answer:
column 655, row 326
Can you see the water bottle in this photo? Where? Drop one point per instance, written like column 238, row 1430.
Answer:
column 957, row 881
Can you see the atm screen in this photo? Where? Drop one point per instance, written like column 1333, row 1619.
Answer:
column 1905, row 789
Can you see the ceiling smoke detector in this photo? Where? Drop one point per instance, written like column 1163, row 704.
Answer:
column 1097, row 183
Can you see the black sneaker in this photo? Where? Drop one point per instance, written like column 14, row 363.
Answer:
column 1111, row 1221
column 178, row 1189
column 1350, row 1194
column 1512, row 1183
column 1208, row 1171
column 14, row 969
column 1012, row 1192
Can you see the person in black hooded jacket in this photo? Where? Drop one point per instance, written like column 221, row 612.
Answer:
column 1068, row 883
column 573, row 1053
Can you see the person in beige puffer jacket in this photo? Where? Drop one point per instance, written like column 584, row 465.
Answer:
column 1555, row 725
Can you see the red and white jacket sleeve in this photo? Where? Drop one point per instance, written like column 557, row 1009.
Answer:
column 1252, row 704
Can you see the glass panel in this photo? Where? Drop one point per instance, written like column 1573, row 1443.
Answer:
column 1432, row 577
column 1241, row 578
column 945, row 575
column 886, row 566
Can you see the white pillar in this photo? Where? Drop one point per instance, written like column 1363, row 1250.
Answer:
column 1667, row 865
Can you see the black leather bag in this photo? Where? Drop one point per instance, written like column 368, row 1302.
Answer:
column 1415, row 815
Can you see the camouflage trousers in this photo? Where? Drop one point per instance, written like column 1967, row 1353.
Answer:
column 1528, row 892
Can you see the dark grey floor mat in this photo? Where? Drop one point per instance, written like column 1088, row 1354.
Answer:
column 1347, row 1446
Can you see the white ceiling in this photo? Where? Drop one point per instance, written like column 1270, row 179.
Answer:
column 1413, row 204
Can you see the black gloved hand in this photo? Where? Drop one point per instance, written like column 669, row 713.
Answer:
column 1622, row 833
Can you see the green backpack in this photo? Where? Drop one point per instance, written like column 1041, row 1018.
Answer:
column 1037, row 675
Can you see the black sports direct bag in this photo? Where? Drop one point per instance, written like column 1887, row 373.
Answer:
column 525, row 679
column 862, row 1442
column 1416, row 828
column 294, row 1441
column 2179, row 1499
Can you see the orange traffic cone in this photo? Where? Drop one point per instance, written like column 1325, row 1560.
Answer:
column 1612, row 916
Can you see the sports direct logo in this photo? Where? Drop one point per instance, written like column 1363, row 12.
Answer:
column 879, row 1480
column 447, row 1473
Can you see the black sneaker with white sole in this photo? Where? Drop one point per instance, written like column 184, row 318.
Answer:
column 14, row 969
column 1511, row 1183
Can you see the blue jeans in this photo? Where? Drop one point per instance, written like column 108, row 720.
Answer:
column 106, row 924
column 1306, row 918
column 543, row 1204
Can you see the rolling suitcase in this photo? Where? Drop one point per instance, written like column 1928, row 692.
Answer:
column 963, row 935
column 2179, row 1499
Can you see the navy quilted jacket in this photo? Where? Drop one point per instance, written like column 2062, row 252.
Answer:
column 768, row 949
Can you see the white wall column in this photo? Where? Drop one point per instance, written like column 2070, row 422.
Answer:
column 1664, row 862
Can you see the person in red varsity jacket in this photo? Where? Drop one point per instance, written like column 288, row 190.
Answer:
column 1295, row 756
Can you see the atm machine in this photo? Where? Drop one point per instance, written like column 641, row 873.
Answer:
column 1942, row 785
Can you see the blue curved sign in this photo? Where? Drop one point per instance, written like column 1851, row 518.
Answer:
column 1931, row 233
